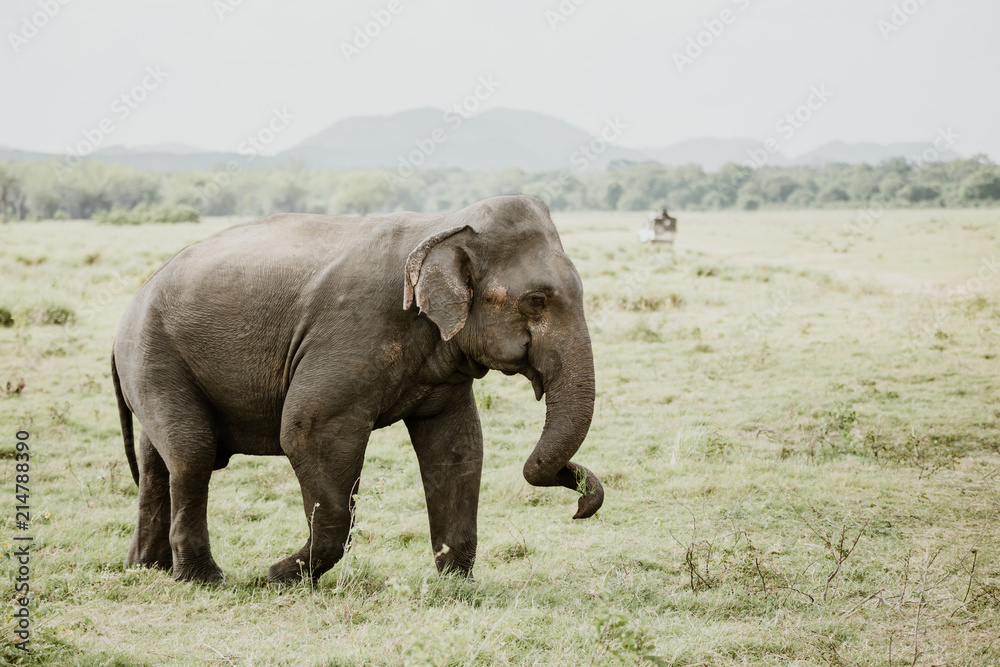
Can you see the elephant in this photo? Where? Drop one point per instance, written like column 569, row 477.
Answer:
column 298, row 334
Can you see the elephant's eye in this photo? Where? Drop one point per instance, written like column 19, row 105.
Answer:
column 533, row 304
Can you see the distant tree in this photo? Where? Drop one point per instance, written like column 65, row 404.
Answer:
column 504, row 182
column 750, row 196
column 728, row 181
column 362, row 192
column 777, row 187
column 803, row 197
column 42, row 190
column 983, row 185
column 834, row 194
column 890, row 185
column 896, row 165
column 645, row 186
column 916, row 194
column 612, row 194
column 862, row 182
column 289, row 188
column 10, row 191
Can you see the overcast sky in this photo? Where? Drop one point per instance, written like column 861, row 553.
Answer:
column 889, row 70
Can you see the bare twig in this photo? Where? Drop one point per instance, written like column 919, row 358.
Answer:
column 920, row 605
column 312, row 541
column 220, row 654
column 876, row 594
column 975, row 555
column 839, row 545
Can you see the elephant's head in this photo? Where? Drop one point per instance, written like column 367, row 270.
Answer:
column 499, row 285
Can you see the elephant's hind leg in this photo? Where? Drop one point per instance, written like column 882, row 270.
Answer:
column 192, row 553
column 187, row 442
column 151, row 540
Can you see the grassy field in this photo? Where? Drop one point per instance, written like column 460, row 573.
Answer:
column 797, row 423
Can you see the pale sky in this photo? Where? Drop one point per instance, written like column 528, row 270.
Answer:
column 221, row 78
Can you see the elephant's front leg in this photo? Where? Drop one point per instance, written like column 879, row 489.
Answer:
column 449, row 447
column 327, row 459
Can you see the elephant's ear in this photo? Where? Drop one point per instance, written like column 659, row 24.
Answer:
column 437, row 278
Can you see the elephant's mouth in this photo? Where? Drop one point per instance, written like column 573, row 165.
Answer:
column 536, row 381
column 474, row 368
column 533, row 376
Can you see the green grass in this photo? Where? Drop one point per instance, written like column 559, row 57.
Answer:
column 798, row 428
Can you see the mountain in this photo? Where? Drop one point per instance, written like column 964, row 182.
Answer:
column 165, row 157
column 170, row 149
column 494, row 139
column 872, row 153
column 711, row 153
column 16, row 155
column 158, row 159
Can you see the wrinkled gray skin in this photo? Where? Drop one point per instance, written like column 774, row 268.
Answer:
column 297, row 335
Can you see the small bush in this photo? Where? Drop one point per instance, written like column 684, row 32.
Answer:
column 717, row 445
column 15, row 388
column 6, row 317
column 652, row 303
column 57, row 315
column 642, row 332
column 928, row 454
column 707, row 271
column 514, row 551
column 840, row 420
column 144, row 213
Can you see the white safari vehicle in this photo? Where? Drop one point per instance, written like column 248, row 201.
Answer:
column 659, row 228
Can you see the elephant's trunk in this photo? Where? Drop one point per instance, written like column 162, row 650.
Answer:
column 568, row 380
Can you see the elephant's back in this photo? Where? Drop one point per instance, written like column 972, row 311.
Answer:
column 231, row 313
column 295, row 245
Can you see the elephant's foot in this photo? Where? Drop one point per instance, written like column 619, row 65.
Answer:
column 159, row 557
column 458, row 564
column 202, row 571
column 457, row 557
column 291, row 570
column 296, row 568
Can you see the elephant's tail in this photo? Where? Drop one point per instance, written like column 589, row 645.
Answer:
column 126, row 418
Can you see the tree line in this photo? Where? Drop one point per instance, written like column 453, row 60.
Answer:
column 45, row 189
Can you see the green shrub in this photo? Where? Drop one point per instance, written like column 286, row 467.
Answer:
column 982, row 185
column 57, row 315
column 6, row 317
column 144, row 213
